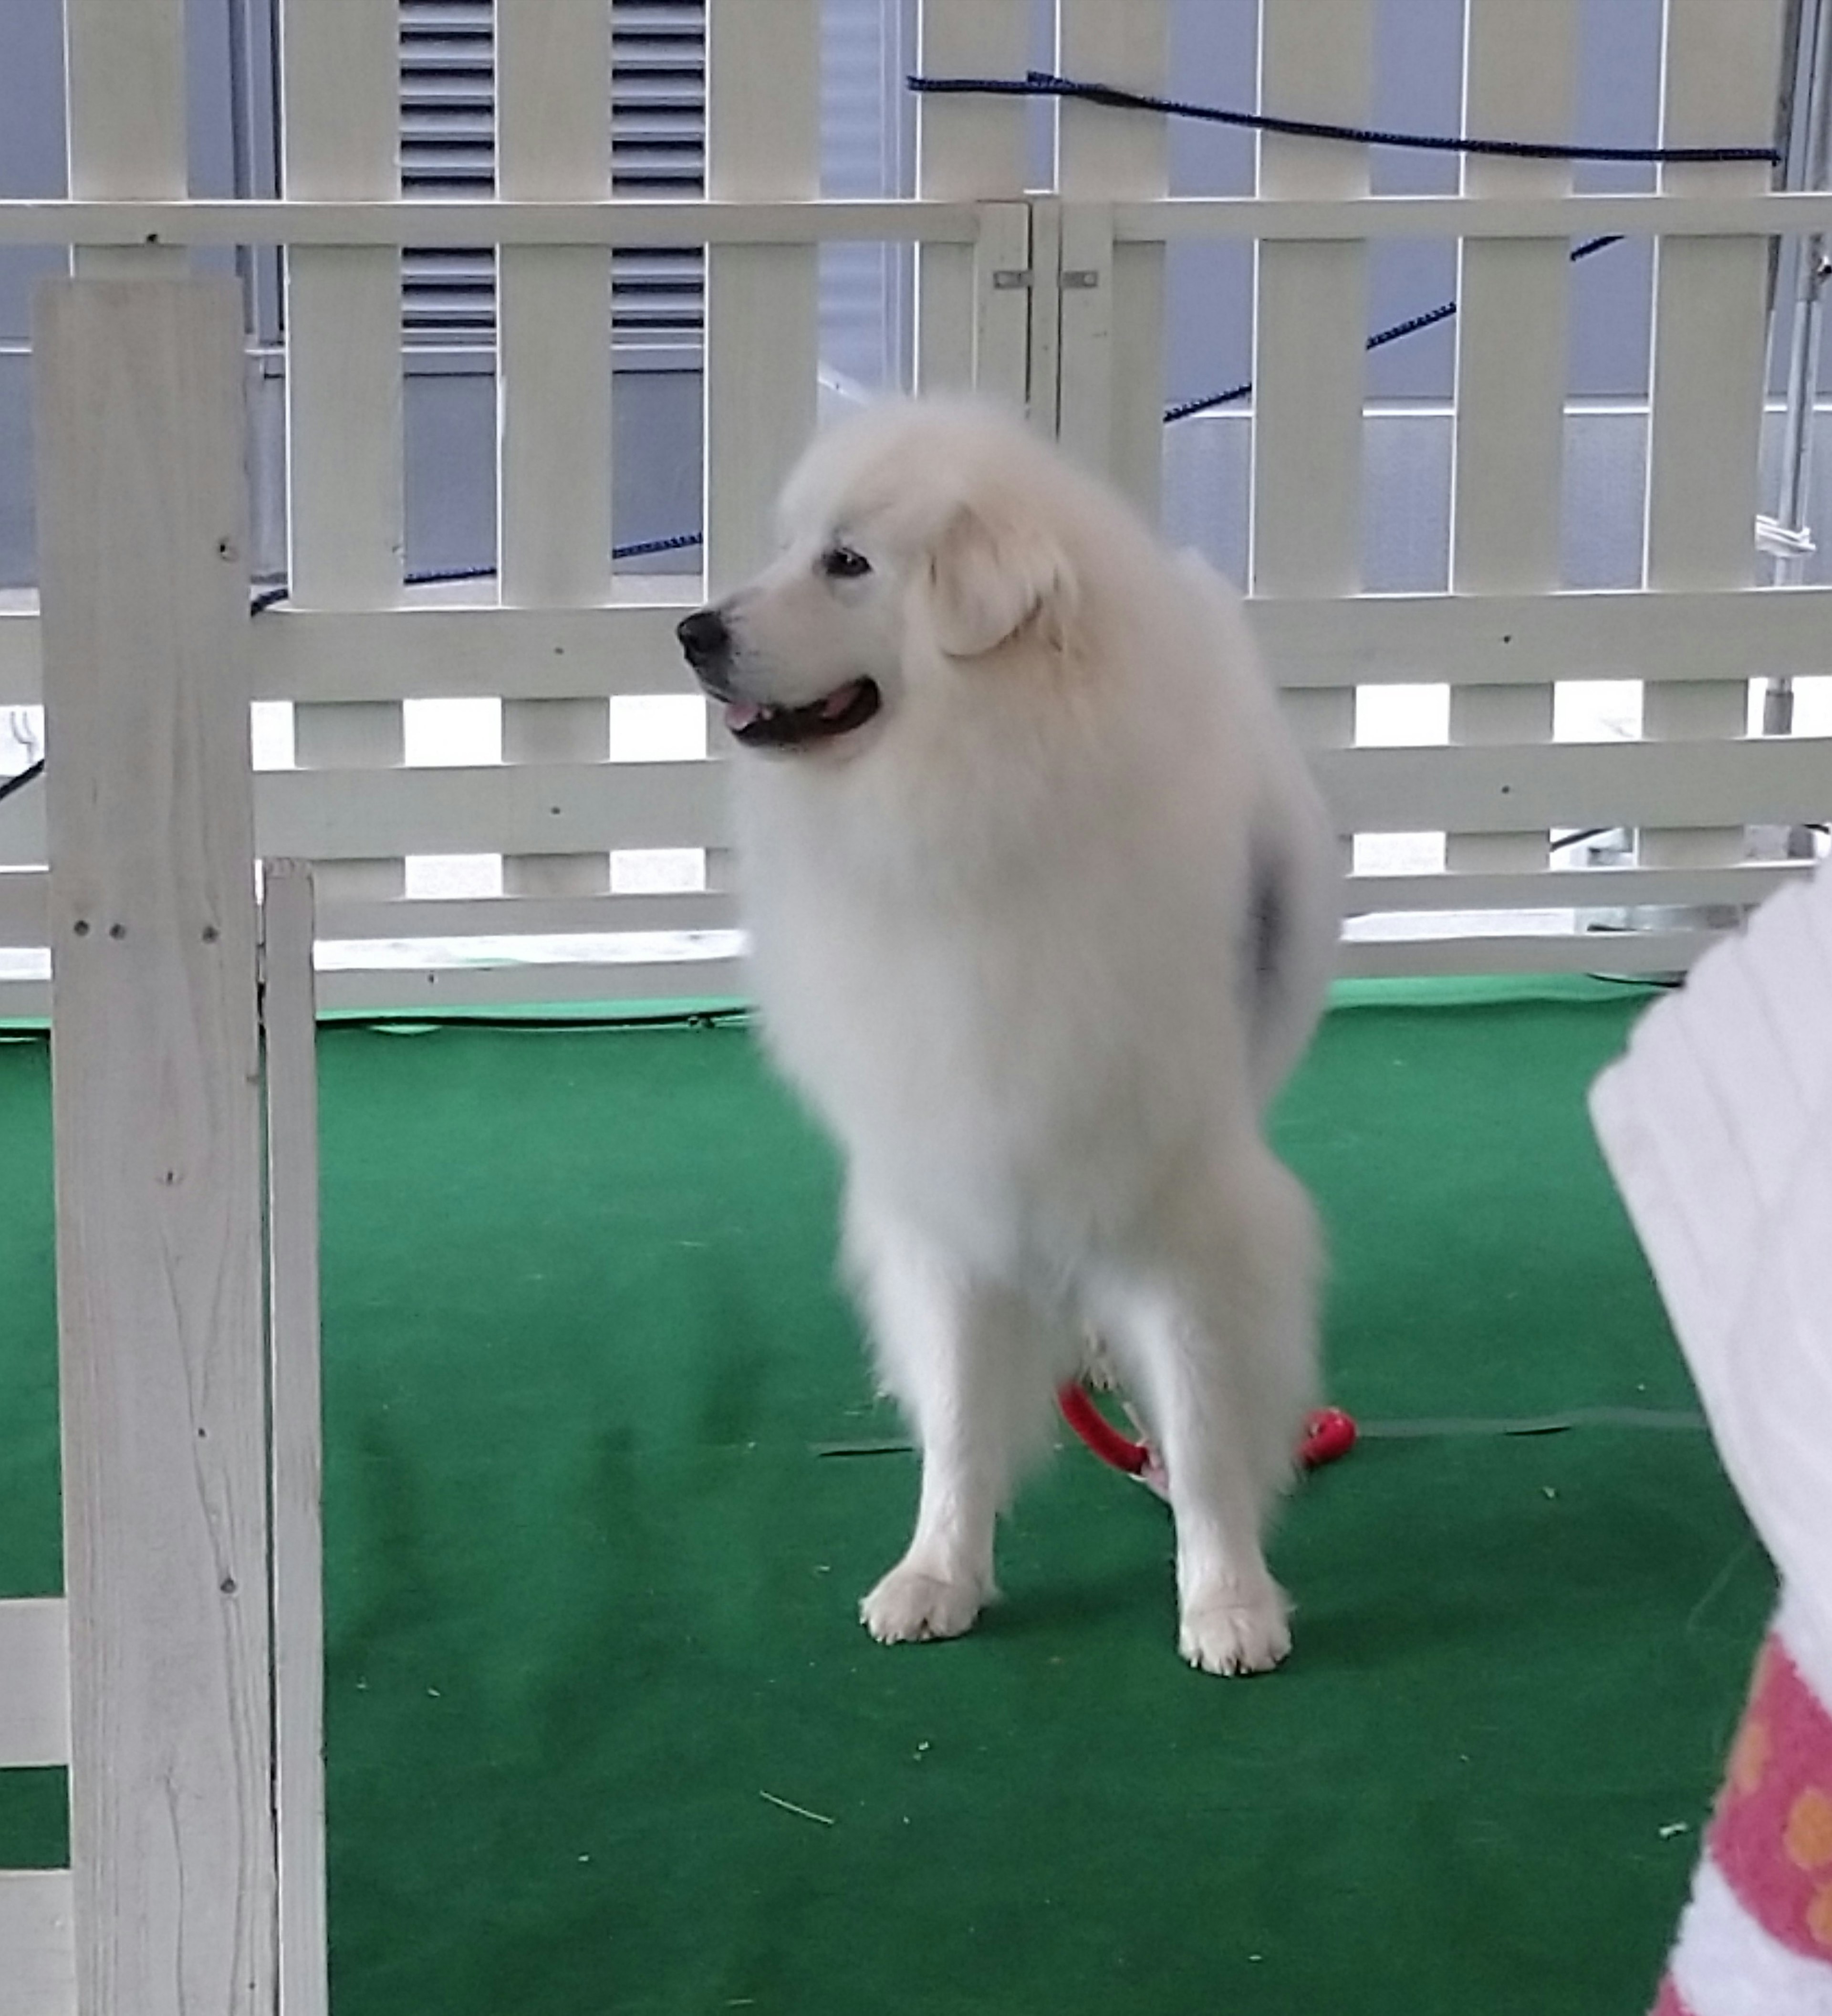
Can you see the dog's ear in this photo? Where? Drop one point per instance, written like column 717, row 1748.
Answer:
column 991, row 573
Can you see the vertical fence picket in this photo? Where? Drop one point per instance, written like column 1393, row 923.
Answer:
column 1721, row 65
column 1315, row 61
column 1511, row 295
column 970, row 308
column 124, row 120
column 553, row 380
column 762, row 332
column 340, row 121
column 1113, row 296
column 763, row 141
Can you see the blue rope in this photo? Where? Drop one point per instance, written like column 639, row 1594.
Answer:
column 1189, row 407
column 675, row 542
column 20, row 778
column 1044, row 83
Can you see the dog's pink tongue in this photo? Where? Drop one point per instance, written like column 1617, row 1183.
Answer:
column 740, row 714
column 836, row 703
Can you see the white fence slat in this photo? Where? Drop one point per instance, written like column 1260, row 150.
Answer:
column 1512, row 640
column 1043, row 360
column 525, row 917
column 1311, row 641
column 762, row 139
column 999, row 346
column 142, row 498
column 553, row 376
column 1588, row 888
column 1777, row 781
column 1289, row 221
column 667, row 221
column 1518, row 69
column 1721, row 65
column 524, row 809
column 34, row 1685
column 1315, row 61
column 415, row 990
column 762, row 305
column 492, row 917
column 340, row 121
column 555, row 731
column 420, row 989
column 433, row 654
column 1625, row 953
column 1574, row 784
column 1111, row 396
column 439, row 652
column 515, row 808
column 502, row 917
column 37, row 1940
column 288, row 1027
column 124, row 116
column 971, row 149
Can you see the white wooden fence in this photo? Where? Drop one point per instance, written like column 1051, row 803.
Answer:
column 1056, row 300
column 557, row 642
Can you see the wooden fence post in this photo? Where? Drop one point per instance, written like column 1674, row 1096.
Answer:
column 156, row 1108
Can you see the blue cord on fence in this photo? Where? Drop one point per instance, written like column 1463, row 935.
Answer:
column 1045, row 83
column 21, row 778
column 637, row 550
column 1189, row 407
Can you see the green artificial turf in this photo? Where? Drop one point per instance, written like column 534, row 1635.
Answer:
column 590, row 1587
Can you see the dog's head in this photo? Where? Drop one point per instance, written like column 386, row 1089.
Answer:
column 917, row 545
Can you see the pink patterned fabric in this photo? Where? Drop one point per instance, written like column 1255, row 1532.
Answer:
column 1773, row 1834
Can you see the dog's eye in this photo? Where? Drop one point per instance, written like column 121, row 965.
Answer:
column 842, row 564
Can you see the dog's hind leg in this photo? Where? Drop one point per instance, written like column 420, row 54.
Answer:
column 960, row 1358
column 1217, row 1340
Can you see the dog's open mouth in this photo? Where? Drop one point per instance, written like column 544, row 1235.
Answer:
column 770, row 725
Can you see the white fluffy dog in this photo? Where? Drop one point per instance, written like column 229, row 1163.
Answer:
column 1044, row 904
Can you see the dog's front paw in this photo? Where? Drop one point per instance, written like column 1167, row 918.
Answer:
column 908, row 1605
column 1237, row 1631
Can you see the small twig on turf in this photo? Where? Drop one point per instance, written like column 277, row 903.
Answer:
column 790, row 1806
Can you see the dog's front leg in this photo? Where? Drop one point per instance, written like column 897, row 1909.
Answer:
column 952, row 1352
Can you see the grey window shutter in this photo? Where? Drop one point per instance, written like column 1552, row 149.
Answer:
column 658, row 148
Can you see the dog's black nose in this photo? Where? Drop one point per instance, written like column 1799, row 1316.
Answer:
column 703, row 635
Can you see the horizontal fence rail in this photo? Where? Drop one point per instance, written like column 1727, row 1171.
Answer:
column 429, row 651
column 710, row 220
column 422, row 221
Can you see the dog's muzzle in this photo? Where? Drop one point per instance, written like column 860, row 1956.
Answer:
column 706, row 640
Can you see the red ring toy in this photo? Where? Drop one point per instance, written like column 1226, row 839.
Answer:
column 1329, row 1434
